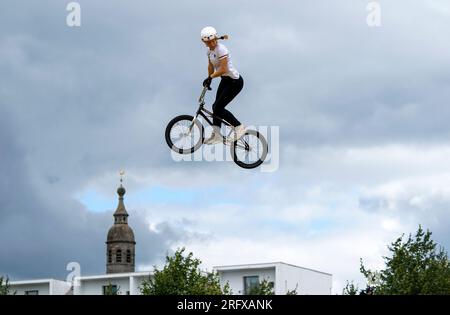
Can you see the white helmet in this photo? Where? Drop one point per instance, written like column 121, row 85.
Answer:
column 208, row 33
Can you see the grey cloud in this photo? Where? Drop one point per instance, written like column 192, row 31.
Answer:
column 41, row 230
column 433, row 217
column 372, row 204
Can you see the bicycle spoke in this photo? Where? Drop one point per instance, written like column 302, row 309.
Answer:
column 249, row 149
column 181, row 137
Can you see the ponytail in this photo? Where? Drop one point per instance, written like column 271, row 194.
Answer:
column 223, row 37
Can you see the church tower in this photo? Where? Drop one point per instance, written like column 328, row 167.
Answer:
column 120, row 244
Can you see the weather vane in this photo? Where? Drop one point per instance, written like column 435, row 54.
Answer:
column 121, row 173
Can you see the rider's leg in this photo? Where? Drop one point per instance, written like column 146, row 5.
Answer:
column 220, row 90
column 216, row 136
column 227, row 91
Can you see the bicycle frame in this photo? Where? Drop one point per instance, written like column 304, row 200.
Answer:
column 206, row 114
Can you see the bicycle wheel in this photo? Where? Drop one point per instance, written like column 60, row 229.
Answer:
column 184, row 135
column 250, row 151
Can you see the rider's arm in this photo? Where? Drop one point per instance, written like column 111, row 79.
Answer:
column 223, row 68
column 210, row 68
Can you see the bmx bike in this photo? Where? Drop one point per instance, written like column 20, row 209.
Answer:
column 185, row 134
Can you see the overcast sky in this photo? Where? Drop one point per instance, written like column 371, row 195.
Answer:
column 362, row 113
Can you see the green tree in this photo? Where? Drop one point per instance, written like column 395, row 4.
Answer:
column 5, row 287
column 263, row 288
column 415, row 266
column 112, row 290
column 293, row 292
column 181, row 275
column 350, row 289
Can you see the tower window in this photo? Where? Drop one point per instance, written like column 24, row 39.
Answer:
column 128, row 256
column 119, row 256
column 109, row 256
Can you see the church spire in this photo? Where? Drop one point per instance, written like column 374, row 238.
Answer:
column 121, row 213
column 120, row 244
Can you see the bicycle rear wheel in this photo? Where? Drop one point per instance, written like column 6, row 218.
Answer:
column 184, row 135
column 250, row 151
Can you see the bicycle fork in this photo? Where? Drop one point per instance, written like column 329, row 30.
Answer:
column 193, row 122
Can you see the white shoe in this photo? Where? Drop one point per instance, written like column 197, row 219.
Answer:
column 239, row 131
column 215, row 138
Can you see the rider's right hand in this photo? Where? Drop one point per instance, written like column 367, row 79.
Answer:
column 207, row 82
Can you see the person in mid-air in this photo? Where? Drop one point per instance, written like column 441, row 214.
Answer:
column 231, row 83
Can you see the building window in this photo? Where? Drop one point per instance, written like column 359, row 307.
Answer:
column 128, row 256
column 119, row 256
column 250, row 283
column 110, row 289
column 110, row 256
column 32, row 292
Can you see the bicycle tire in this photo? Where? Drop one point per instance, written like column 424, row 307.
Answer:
column 260, row 160
column 198, row 143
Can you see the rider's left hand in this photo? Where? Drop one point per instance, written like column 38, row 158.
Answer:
column 207, row 82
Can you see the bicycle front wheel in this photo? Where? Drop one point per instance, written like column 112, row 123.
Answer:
column 250, row 151
column 184, row 135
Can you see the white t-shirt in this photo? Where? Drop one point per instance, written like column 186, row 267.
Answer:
column 221, row 52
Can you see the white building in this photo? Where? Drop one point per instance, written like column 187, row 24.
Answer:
column 120, row 277
column 41, row 287
column 282, row 277
column 121, row 283
column 241, row 278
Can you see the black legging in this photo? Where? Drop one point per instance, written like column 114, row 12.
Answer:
column 226, row 92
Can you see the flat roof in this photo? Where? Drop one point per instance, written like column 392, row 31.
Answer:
column 262, row 266
column 36, row 281
column 116, row 275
